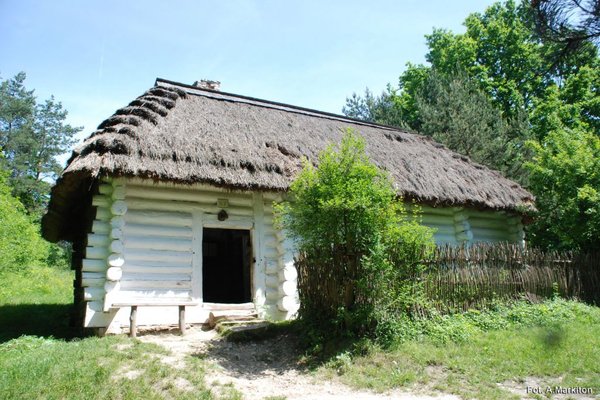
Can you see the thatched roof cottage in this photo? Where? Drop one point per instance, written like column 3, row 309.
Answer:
column 170, row 201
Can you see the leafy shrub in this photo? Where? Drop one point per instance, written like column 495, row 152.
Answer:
column 59, row 255
column 20, row 242
column 360, row 250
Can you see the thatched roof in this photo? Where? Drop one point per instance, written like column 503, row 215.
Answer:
column 182, row 133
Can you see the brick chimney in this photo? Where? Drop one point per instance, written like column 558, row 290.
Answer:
column 208, row 84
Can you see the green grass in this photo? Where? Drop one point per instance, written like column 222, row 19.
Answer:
column 49, row 365
column 94, row 368
column 36, row 285
column 466, row 354
column 562, row 348
column 35, row 301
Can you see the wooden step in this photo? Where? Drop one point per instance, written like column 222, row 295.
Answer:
column 216, row 318
column 221, row 325
column 229, row 307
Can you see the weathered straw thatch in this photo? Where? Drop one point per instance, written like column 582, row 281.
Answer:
column 181, row 133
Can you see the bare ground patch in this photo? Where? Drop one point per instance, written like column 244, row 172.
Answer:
column 262, row 369
column 125, row 372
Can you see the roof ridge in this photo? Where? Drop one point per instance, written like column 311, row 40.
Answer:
column 226, row 96
column 220, row 95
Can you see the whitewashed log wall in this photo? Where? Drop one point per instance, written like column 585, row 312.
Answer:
column 145, row 247
column 280, row 272
column 458, row 225
column 103, row 259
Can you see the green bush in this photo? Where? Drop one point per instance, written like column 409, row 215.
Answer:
column 360, row 250
column 59, row 255
column 20, row 242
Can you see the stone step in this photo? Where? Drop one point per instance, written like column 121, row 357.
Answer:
column 244, row 331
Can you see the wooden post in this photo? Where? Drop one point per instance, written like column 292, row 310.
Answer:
column 133, row 322
column 182, row 319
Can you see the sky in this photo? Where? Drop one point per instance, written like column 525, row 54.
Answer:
column 95, row 56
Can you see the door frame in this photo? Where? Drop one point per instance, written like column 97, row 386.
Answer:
column 201, row 221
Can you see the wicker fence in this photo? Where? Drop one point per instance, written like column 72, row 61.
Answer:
column 462, row 278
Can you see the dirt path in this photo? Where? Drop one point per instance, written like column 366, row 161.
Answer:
column 262, row 369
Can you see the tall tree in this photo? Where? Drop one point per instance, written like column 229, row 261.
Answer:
column 502, row 52
column 381, row 109
column 395, row 107
column 456, row 112
column 572, row 24
column 575, row 105
column 498, row 49
column 17, row 106
column 31, row 136
column 515, row 87
column 566, row 180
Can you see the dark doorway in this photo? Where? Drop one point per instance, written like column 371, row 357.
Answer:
column 226, row 255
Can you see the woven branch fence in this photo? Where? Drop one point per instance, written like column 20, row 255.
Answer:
column 459, row 278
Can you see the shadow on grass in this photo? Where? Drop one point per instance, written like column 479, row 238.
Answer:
column 35, row 319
